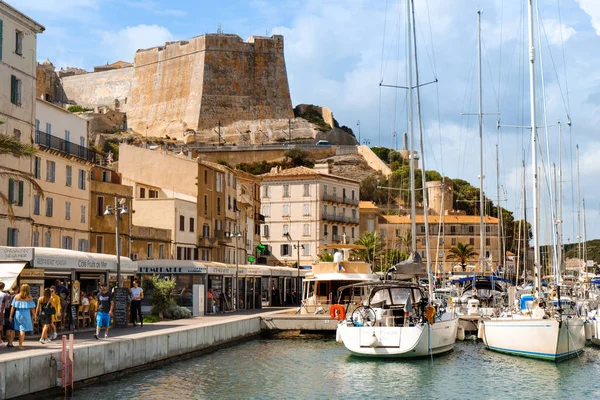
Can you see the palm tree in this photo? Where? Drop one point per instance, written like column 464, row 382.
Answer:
column 325, row 257
column 461, row 253
column 405, row 242
column 11, row 146
column 373, row 243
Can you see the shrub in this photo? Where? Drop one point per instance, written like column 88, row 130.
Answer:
column 177, row 312
column 150, row 319
column 159, row 290
column 75, row 109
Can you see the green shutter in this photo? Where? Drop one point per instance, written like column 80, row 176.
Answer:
column 13, row 89
column 11, row 190
column 21, row 184
column 1, row 39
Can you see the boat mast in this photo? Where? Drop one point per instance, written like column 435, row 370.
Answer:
column 534, row 167
column 525, row 228
column 578, row 209
column 584, row 240
column 500, row 236
column 423, row 177
column 557, row 269
column 480, row 118
column 560, row 201
column 409, row 67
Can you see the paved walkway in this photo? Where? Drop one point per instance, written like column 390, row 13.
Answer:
column 33, row 347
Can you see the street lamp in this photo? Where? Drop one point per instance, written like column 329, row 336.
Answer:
column 236, row 234
column 298, row 247
column 119, row 209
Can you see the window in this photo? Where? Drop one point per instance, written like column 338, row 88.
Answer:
column 37, row 168
column 67, row 242
column 36, row 239
column 99, row 244
column 15, row 192
column 235, row 207
column 452, row 229
column 17, row 134
column 205, row 204
column 82, row 179
column 218, row 206
column 47, row 239
column 286, row 210
column 353, row 233
column 472, row 241
column 219, row 181
column 487, row 242
column 19, row 42
column 286, row 190
column 306, row 190
column 161, row 251
column 67, row 210
column 69, row 175
column 422, row 229
column 228, row 179
column 306, row 210
column 105, row 176
column 192, row 223
column 334, row 192
column 423, row 241
column 153, row 194
column 142, row 193
column 325, row 232
column 50, row 171
column 67, row 140
column 205, row 230
column 15, row 90
column 325, row 209
column 205, row 177
column 82, row 144
column 266, row 191
column 286, row 250
column 453, row 241
column 306, row 230
column 82, row 245
column 286, row 229
column 487, row 228
column 100, row 204
column 325, row 190
column 149, row 251
column 181, row 223
column 49, row 206
column 370, row 225
column 343, row 193
column 234, row 182
column 353, row 194
column 83, row 214
column 471, row 229
column 266, row 230
column 13, row 237
column 229, row 202
column 306, row 249
column 354, row 213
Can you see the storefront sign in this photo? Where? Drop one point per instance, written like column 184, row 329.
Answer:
column 58, row 262
column 172, row 270
column 221, row 270
column 32, row 273
column 16, row 253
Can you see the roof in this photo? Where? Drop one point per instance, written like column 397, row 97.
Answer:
column 33, row 25
column 300, row 172
column 367, row 205
column 447, row 219
column 217, row 166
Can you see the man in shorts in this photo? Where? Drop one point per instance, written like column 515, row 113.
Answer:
column 106, row 305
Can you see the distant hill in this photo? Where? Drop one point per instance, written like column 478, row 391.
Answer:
column 593, row 250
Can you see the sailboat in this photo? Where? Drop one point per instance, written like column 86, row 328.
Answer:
column 539, row 331
column 398, row 319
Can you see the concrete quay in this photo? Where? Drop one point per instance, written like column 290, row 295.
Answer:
column 37, row 368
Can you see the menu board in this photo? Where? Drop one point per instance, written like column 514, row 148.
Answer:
column 73, row 321
column 120, row 296
column 35, row 292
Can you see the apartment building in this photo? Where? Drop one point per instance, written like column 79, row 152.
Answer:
column 448, row 229
column 369, row 217
column 305, row 208
column 62, row 168
column 18, row 37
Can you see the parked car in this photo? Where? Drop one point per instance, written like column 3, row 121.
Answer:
column 323, row 143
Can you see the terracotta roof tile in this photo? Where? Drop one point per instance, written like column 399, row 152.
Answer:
column 434, row 219
column 301, row 172
column 368, row 205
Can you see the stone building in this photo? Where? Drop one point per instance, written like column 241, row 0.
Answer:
column 18, row 36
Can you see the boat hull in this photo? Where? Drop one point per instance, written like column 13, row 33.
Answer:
column 399, row 342
column 546, row 339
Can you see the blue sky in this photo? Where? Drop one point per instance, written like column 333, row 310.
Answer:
column 338, row 51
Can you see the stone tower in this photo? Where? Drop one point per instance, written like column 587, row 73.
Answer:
column 435, row 191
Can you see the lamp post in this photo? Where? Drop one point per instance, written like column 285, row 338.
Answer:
column 119, row 209
column 298, row 247
column 236, row 234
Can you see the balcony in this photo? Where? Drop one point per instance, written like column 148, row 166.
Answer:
column 340, row 218
column 260, row 218
column 206, row 241
column 339, row 199
column 72, row 149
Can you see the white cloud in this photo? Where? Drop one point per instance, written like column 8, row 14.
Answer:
column 592, row 8
column 123, row 44
column 552, row 28
column 64, row 7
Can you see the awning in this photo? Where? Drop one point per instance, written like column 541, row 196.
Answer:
column 9, row 272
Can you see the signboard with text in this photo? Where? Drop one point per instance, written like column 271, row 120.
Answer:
column 172, row 270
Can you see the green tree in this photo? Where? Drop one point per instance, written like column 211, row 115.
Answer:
column 299, row 157
column 461, row 253
column 393, row 257
column 11, row 146
column 373, row 243
column 325, row 257
column 160, row 291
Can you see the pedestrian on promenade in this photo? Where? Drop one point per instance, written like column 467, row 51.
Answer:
column 60, row 288
column 211, row 300
column 106, row 305
column 137, row 294
column 45, row 310
column 8, row 325
column 2, row 308
column 55, row 299
column 93, row 305
column 21, row 313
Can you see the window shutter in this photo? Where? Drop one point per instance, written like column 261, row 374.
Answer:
column 21, row 184
column 11, row 190
column 13, row 89
column 1, row 39
column 53, row 171
column 18, row 94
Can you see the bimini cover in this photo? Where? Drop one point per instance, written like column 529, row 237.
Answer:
column 9, row 271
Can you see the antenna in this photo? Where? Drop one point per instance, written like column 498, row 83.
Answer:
column 219, row 29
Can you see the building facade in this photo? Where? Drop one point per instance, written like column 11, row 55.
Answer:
column 303, row 209
column 18, row 38
column 62, row 168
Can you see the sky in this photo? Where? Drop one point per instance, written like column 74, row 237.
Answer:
column 338, row 52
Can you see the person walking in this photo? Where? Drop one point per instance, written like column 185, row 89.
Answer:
column 8, row 325
column 55, row 299
column 21, row 313
column 2, row 308
column 106, row 305
column 137, row 294
column 44, row 311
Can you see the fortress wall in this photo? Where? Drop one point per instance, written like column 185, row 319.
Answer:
column 99, row 88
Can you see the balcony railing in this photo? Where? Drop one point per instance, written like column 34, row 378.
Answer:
column 340, row 199
column 72, row 149
column 206, row 241
column 340, row 218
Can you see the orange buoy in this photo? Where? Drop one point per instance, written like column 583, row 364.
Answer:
column 429, row 314
column 338, row 312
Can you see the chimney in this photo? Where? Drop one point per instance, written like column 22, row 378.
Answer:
column 405, row 141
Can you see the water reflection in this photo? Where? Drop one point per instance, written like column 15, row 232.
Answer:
column 322, row 369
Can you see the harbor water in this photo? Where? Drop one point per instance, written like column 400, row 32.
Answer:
column 320, row 368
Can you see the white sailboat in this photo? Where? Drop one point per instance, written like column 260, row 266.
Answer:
column 397, row 319
column 542, row 332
